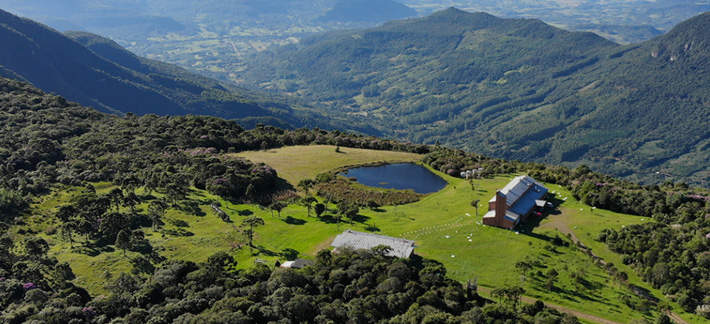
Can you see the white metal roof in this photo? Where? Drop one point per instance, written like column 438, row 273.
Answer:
column 516, row 188
column 401, row 248
column 490, row 214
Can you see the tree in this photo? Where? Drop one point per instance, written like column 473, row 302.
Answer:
column 373, row 205
column 219, row 262
column 123, row 240
column 348, row 211
column 156, row 211
column 142, row 265
column 130, row 182
column 474, row 204
column 131, row 200
column 523, row 267
column 351, row 213
column 66, row 212
column 116, row 198
column 498, row 293
column 36, row 246
column 278, row 207
column 177, row 189
column 551, row 279
column 308, row 203
column 252, row 222
column 306, row 185
column 289, row 254
column 67, row 232
column 320, row 209
column 664, row 319
column 513, row 294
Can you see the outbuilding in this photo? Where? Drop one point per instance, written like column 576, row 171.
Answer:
column 399, row 247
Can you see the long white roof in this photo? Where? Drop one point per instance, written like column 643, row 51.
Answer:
column 401, row 248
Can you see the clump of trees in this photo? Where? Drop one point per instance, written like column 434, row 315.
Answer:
column 342, row 191
column 352, row 286
column 673, row 255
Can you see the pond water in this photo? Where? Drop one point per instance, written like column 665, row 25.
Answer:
column 401, row 176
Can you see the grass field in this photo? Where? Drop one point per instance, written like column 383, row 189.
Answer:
column 295, row 163
column 443, row 224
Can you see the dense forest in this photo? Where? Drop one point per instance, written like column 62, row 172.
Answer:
column 514, row 89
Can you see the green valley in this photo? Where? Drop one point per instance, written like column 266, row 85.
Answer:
column 515, row 89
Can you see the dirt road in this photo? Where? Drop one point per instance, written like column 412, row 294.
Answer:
column 588, row 317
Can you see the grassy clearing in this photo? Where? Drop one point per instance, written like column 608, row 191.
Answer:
column 586, row 223
column 443, row 224
column 295, row 163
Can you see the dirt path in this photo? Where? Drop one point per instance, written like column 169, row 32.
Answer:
column 578, row 314
column 559, row 223
column 675, row 318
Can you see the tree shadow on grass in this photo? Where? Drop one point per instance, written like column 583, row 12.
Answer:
column 245, row 212
column 191, row 207
column 91, row 250
column 177, row 232
column 328, row 219
column 294, row 221
column 643, row 293
column 263, row 250
column 361, row 218
column 372, row 228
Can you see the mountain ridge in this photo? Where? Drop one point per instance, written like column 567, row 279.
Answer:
column 95, row 71
column 512, row 88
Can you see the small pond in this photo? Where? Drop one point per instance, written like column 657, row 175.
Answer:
column 401, row 176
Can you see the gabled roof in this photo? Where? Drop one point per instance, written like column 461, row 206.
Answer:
column 521, row 193
column 401, row 248
column 517, row 187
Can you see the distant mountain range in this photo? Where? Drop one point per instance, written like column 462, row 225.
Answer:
column 97, row 72
column 516, row 89
column 367, row 11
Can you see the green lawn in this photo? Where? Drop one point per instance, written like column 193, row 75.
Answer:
column 443, row 224
column 295, row 163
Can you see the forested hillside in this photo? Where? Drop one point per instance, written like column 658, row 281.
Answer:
column 48, row 144
column 516, row 89
column 50, row 147
column 97, row 72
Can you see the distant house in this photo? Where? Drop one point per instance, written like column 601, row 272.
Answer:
column 470, row 174
column 297, row 264
column 514, row 202
column 400, row 248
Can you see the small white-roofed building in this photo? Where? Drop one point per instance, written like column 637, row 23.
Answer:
column 399, row 247
column 297, row 264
